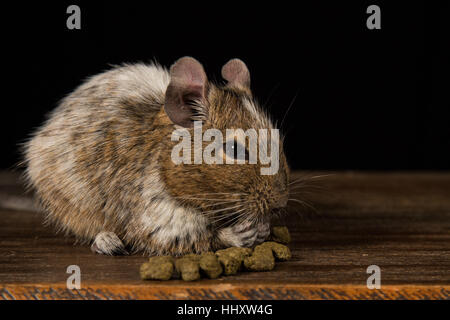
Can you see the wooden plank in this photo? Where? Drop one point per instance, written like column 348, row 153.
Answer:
column 223, row 291
column 398, row 221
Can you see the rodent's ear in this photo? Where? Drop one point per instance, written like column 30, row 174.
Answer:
column 186, row 92
column 236, row 73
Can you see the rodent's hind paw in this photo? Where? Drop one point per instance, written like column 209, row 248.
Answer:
column 108, row 243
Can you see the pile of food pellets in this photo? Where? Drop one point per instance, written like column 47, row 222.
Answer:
column 222, row 262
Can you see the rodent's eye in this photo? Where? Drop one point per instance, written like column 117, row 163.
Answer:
column 236, row 150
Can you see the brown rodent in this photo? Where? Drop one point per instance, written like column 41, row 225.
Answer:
column 101, row 164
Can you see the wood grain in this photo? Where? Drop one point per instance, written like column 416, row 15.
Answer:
column 398, row 221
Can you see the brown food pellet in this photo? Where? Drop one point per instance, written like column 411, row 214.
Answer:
column 280, row 234
column 262, row 259
column 235, row 252
column 188, row 268
column 232, row 258
column 210, row 265
column 157, row 268
column 281, row 252
column 226, row 261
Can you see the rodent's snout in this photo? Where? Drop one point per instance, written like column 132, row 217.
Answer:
column 280, row 202
column 280, row 191
column 275, row 197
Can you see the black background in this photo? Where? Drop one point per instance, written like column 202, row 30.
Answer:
column 281, row 309
column 365, row 99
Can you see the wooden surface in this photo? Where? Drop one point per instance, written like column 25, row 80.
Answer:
column 398, row 221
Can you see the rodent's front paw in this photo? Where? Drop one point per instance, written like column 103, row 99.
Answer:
column 245, row 234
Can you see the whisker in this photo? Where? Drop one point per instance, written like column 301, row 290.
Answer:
column 289, row 108
column 306, row 186
column 209, row 199
column 228, row 215
column 221, row 210
column 215, row 204
column 210, row 193
column 210, row 212
column 307, row 178
column 302, row 183
column 307, row 190
column 303, row 203
column 236, row 219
